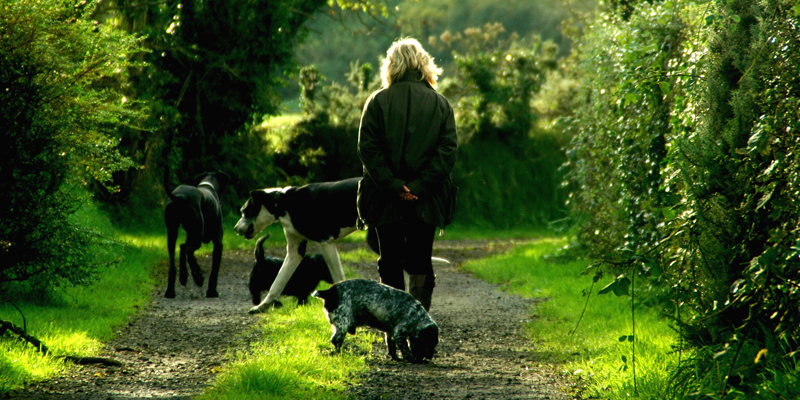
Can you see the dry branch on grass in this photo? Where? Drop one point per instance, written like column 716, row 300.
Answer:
column 6, row 326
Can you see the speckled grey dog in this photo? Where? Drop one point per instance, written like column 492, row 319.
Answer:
column 362, row 302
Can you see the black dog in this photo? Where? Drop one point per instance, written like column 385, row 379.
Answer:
column 362, row 302
column 309, row 273
column 198, row 210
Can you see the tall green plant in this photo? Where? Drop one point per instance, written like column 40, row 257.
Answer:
column 508, row 166
column 738, row 228
column 621, row 132
column 214, row 72
column 684, row 160
column 58, row 111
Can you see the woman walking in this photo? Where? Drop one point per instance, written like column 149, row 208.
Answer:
column 407, row 144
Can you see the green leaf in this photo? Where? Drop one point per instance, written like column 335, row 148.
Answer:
column 619, row 286
column 770, row 170
column 631, row 97
column 665, row 87
column 739, row 284
column 765, row 198
column 655, row 270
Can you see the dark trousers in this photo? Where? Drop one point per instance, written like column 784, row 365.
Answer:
column 405, row 245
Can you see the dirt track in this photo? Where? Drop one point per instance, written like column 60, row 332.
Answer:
column 173, row 348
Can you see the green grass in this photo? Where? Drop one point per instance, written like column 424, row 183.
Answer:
column 77, row 320
column 293, row 359
column 593, row 354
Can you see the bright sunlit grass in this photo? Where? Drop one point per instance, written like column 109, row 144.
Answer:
column 293, row 359
column 77, row 320
column 593, row 354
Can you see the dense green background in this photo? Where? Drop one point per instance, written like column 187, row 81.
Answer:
column 662, row 134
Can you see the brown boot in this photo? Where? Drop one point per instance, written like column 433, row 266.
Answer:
column 421, row 289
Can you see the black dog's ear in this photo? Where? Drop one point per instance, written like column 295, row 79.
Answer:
column 222, row 178
column 425, row 344
column 259, row 196
column 430, row 334
column 199, row 177
column 268, row 198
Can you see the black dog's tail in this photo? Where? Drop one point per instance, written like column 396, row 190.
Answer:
column 372, row 240
column 259, row 252
column 329, row 297
column 167, row 151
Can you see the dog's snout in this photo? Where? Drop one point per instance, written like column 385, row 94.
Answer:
column 244, row 229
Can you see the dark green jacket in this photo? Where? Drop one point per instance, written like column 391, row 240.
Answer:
column 407, row 137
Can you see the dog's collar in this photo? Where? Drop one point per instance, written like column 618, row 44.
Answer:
column 206, row 184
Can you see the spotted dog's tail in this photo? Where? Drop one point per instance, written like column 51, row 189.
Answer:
column 259, row 251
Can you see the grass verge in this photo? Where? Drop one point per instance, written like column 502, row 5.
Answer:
column 294, row 360
column 76, row 320
column 598, row 354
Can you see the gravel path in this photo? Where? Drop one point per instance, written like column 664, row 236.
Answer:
column 174, row 347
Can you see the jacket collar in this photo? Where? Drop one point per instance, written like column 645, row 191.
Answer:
column 413, row 76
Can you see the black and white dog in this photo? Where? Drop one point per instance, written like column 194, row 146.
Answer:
column 362, row 302
column 197, row 209
column 311, row 271
column 317, row 212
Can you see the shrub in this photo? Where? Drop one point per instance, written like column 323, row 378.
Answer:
column 56, row 113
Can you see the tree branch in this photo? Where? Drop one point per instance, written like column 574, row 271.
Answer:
column 42, row 348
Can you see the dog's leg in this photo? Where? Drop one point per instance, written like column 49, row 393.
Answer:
column 391, row 346
column 193, row 224
column 338, row 337
column 189, row 248
column 216, row 259
column 331, row 256
column 402, row 342
column 172, row 238
column 288, row 267
column 183, row 275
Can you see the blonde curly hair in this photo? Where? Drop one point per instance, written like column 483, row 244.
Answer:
column 408, row 55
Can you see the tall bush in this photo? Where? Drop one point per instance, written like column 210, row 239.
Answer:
column 507, row 168
column 738, row 227
column 684, row 165
column 58, row 109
